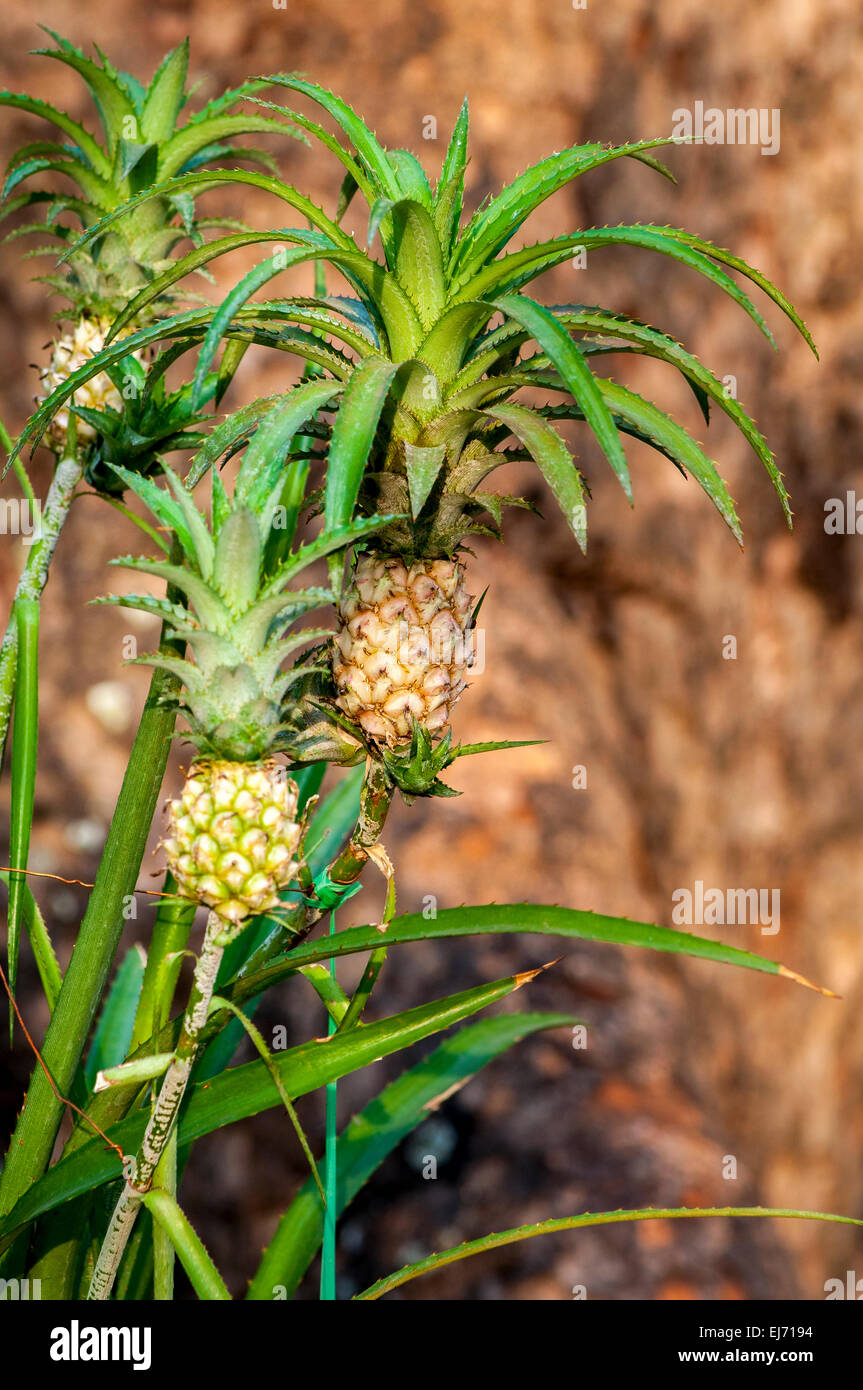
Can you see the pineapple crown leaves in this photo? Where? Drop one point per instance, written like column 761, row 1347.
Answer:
column 427, row 307
column 416, row 771
column 246, row 326
column 233, row 574
column 142, row 143
column 153, row 421
column 158, row 408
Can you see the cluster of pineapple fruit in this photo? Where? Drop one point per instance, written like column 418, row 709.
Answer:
column 402, row 651
column 424, row 325
column 400, row 658
column 398, row 662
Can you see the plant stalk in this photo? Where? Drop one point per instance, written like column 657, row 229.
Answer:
column 375, row 801
column 18, row 468
column 34, row 576
column 101, row 928
column 328, row 1254
column 164, row 1114
column 163, row 1250
column 25, row 738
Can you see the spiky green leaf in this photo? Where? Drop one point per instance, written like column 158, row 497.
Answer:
column 378, row 1129
column 354, row 430
column 449, row 194
column 570, row 1223
column 554, row 461
column 264, row 459
column 573, row 368
column 364, row 141
column 423, row 465
column 165, row 95
column 247, row 1090
column 457, row 923
column 89, row 147
column 112, row 102
column 493, row 226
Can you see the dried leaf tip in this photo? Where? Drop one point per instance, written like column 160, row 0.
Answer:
column 802, row 980
column 525, row 976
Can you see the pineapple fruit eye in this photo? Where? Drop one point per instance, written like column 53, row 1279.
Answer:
column 403, row 650
column 72, row 351
column 234, row 836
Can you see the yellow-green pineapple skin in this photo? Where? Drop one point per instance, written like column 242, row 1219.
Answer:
column 404, row 647
column 70, row 352
column 234, row 836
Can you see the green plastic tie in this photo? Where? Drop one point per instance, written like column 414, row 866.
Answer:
column 328, row 1251
column 331, row 894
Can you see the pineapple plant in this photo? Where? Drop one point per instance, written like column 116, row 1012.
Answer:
column 234, row 837
column 240, row 705
column 143, row 143
column 408, row 404
column 430, row 353
column 122, row 412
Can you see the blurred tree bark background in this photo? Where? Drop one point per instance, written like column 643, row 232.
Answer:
column 740, row 773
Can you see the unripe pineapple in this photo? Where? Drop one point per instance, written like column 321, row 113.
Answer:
column 72, row 351
column 234, row 836
column 404, row 647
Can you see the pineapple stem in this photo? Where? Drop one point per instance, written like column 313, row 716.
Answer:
column 171, row 928
column 164, row 1254
column 375, row 800
column 30, row 1150
column 47, row 527
column 164, row 1115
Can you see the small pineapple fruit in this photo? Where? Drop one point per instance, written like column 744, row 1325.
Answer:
column 234, row 836
column 72, row 351
column 404, row 647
